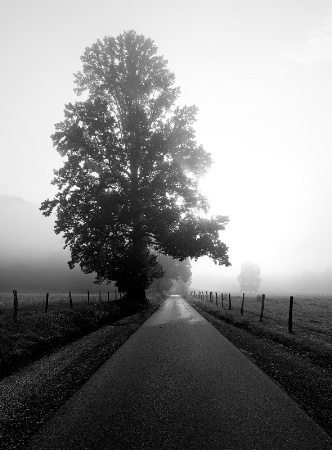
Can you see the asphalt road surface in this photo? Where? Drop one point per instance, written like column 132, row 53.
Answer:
column 177, row 383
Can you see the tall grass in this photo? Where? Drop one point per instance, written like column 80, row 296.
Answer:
column 36, row 332
column 312, row 313
column 312, row 320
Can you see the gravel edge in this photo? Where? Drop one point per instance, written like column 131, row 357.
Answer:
column 30, row 396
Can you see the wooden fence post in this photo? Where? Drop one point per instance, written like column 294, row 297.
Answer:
column 46, row 303
column 222, row 300
column 210, row 297
column 290, row 316
column 262, row 308
column 229, row 301
column 15, row 305
column 242, row 304
column 216, row 299
column 70, row 300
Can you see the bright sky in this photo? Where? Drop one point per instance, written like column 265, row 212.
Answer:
column 260, row 73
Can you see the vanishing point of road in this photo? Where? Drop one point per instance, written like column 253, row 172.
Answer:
column 177, row 383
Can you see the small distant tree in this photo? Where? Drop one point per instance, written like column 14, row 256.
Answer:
column 179, row 287
column 176, row 272
column 249, row 277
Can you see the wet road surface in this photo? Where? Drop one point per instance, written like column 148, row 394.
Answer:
column 177, row 383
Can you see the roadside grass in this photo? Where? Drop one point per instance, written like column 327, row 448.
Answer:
column 312, row 321
column 37, row 333
column 299, row 362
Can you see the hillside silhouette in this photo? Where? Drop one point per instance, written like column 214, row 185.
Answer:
column 32, row 258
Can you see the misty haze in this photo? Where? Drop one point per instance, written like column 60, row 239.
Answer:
column 165, row 224
column 33, row 260
column 32, row 256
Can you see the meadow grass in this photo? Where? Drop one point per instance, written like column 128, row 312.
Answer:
column 312, row 320
column 312, row 313
column 36, row 333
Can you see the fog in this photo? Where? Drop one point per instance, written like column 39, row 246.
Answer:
column 33, row 260
column 208, row 277
column 260, row 72
column 32, row 257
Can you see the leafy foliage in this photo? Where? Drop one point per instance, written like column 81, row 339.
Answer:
column 128, row 185
column 249, row 277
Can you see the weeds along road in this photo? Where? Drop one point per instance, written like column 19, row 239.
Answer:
column 177, row 383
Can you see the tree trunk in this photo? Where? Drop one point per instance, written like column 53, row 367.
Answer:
column 136, row 294
column 135, row 289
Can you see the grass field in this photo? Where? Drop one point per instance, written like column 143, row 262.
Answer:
column 299, row 362
column 36, row 332
column 38, row 300
column 311, row 313
column 312, row 318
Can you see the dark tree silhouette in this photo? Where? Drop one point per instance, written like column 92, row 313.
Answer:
column 128, row 185
column 249, row 277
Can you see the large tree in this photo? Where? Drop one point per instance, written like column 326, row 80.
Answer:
column 128, row 185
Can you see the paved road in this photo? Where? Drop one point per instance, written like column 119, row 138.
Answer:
column 177, row 383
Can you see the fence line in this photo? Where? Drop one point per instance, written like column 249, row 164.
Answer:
column 290, row 315
column 16, row 303
column 262, row 308
column 200, row 295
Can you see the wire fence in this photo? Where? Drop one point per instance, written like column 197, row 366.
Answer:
column 16, row 302
column 13, row 303
column 307, row 312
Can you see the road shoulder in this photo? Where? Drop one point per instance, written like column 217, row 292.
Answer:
column 31, row 395
column 307, row 383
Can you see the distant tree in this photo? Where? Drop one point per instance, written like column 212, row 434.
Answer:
column 128, row 185
column 179, row 287
column 174, row 271
column 249, row 277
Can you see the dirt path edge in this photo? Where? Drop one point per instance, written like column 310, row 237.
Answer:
column 31, row 395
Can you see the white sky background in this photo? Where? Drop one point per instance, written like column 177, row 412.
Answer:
column 260, row 73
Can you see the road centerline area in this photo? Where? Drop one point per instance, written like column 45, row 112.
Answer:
column 177, row 383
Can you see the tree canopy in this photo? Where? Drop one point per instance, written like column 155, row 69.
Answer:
column 249, row 277
column 128, row 187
